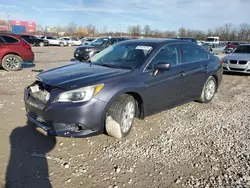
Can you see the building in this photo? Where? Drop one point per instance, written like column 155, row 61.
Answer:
column 17, row 26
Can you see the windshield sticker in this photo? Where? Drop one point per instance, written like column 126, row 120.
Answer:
column 143, row 48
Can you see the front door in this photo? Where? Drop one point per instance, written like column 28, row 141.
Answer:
column 163, row 88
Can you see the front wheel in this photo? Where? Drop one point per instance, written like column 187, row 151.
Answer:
column 120, row 116
column 61, row 44
column 209, row 90
column 69, row 44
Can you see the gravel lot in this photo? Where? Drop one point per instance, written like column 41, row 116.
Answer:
column 194, row 145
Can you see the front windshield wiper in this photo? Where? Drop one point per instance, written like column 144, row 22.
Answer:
column 114, row 65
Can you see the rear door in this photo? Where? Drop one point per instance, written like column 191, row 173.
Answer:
column 193, row 67
column 2, row 45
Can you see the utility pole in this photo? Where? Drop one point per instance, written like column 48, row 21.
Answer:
column 120, row 28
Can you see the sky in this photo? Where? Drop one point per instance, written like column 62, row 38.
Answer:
column 119, row 14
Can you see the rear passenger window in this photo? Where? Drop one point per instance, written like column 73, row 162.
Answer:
column 9, row 39
column 192, row 53
column 1, row 41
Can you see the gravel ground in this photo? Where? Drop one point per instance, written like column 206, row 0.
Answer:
column 194, row 145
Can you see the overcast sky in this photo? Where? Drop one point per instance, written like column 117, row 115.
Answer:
column 159, row 14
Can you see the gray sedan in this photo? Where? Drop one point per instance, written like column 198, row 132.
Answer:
column 238, row 60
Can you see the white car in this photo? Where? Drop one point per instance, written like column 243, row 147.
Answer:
column 69, row 40
column 55, row 41
column 76, row 41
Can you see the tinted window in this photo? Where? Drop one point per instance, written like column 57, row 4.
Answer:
column 242, row 49
column 1, row 41
column 50, row 38
column 192, row 53
column 9, row 39
column 168, row 54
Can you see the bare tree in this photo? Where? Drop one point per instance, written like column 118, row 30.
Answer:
column 71, row 28
column 182, row 32
column 91, row 30
column 146, row 30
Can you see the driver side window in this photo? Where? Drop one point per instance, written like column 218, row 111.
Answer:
column 168, row 54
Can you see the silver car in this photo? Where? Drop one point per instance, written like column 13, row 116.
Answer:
column 238, row 60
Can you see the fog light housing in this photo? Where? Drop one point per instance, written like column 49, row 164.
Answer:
column 75, row 127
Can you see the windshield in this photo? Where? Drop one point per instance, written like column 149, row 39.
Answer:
column 210, row 39
column 123, row 55
column 242, row 49
column 99, row 41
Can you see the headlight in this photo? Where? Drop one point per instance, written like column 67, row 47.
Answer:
column 224, row 61
column 88, row 49
column 80, row 95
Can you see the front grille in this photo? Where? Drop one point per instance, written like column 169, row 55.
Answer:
column 236, row 69
column 233, row 61
column 242, row 62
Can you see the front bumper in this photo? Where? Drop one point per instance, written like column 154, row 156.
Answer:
column 237, row 67
column 83, row 55
column 67, row 119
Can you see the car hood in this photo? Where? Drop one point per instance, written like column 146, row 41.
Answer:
column 79, row 75
column 88, row 46
column 237, row 56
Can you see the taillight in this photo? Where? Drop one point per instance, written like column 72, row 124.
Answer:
column 26, row 45
column 221, row 62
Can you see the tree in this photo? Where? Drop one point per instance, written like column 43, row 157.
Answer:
column 147, row 30
column 71, row 28
column 91, row 30
column 244, row 32
column 182, row 32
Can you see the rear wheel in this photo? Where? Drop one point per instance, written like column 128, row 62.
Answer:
column 61, row 44
column 120, row 116
column 69, row 44
column 41, row 44
column 209, row 90
column 12, row 62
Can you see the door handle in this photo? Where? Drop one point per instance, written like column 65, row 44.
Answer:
column 205, row 66
column 182, row 73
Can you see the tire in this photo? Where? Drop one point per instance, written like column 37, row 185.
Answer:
column 120, row 116
column 209, row 90
column 12, row 62
column 41, row 44
column 61, row 44
column 69, row 44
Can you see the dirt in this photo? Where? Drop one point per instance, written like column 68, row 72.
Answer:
column 194, row 145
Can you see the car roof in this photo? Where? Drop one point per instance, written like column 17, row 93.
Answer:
column 153, row 41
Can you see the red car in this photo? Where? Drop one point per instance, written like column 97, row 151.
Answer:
column 233, row 45
column 14, row 51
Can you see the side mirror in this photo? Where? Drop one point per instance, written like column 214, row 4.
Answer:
column 162, row 66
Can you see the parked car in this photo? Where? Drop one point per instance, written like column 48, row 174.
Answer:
column 230, row 46
column 69, row 40
column 13, row 51
column 84, row 53
column 187, row 39
column 34, row 41
column 76, row 41
column 133, row 78
column 87, row 41
column 238, row 60
column 53, row 41
column 206, row 47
